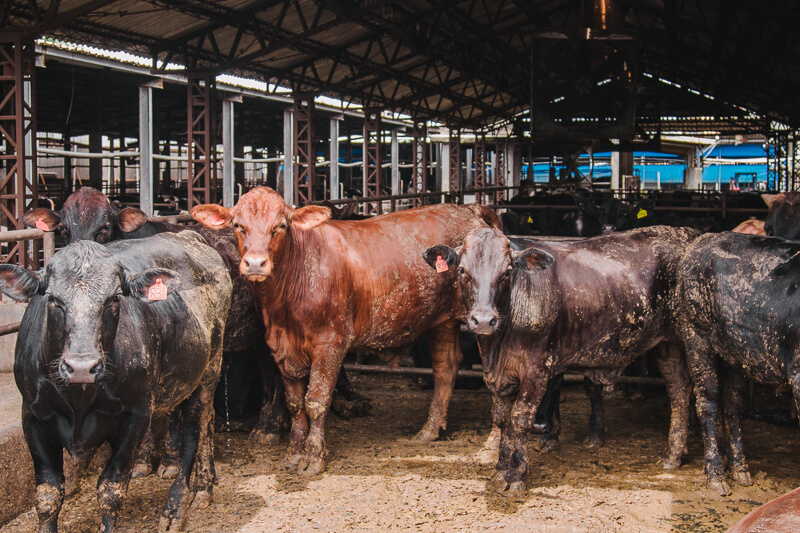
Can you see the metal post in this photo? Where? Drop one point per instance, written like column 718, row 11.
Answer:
column 146, row 149
column 454, row 146
column 304, row 150
column 200, row 143
column 18, row 190
column 500, row 171
column 480, row 167
column 395, row 156
column 288, row 156
column 227, row 153
column 420, row 160
column 372, row 159
column 334, row 181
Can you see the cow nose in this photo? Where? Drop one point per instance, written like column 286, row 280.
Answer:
column 609, row 228
column 483, row 323
column 81, row 368
column 255, row 264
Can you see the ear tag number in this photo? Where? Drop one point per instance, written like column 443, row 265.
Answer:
column 157, row 291
column 441, row 265
column 42, row 225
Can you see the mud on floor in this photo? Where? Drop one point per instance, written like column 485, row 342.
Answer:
column 380, row 479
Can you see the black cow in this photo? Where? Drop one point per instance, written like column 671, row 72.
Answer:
column 736, row 308
column 111, row 337
column 541, row 309
column 783, row 216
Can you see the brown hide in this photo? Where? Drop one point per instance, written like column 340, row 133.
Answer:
column 781, row 515
column 326, row 287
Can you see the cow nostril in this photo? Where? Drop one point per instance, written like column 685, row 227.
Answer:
column 96, row 368
column 493, row 322
column 66, row 368
column 474, row 320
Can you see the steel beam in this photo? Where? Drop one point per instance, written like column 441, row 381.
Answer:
column 395, row 156
column 420, row 160
column 500, row 171
column 305, row 154
column 454, row 150
column 334, row 150
column 201, row 141
column 227, row 153
column 288, row 157
column 146, row 150
column 372, row 159
column 480, row 167
column 18, row 187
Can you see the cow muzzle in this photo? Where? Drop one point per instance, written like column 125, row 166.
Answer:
column 483, row 323
column 81, row 368
column 256, row 266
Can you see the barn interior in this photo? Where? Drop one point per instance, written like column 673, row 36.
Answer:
column 194, row 102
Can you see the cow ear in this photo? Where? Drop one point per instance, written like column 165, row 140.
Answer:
column 532, row 260
column 130, row 219
column 47, row 216
column 310, row 216
column 448, row 255
column 20, row 283
column 212, row 216
column 768, row 198
column 139, row 285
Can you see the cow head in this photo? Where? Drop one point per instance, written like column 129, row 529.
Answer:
column 783, row 217
column 87, row 215
column 485, row 265
column 263, row 225
column 84, row 287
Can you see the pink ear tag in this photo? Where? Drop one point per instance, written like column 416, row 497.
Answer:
column 441, row 264
column 157, row 291
column 42, row 225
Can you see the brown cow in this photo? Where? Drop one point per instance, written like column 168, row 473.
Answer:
column 781, row 515
column 328, row 286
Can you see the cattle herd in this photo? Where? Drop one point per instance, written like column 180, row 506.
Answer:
column 127, row 325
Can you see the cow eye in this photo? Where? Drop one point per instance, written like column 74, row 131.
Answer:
column 238, row 227
column 282, row 226
column 461, row 270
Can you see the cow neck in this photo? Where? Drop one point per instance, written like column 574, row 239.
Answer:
column 287, row 284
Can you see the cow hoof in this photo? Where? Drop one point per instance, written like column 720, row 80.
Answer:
column 168, row 471
column 498, row 482
column 170, row 524
column 546, row 444
column 742, row 477
column 202, row 499
column 427, row 435
column 142, row 470
column 593, row 441
column 720, row 487
column 671, row 463
column 263, row 438
column 292, row 461
column 314, row 467
column 517, row 486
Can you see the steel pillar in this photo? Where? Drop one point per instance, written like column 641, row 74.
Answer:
column 334, row 150
column 781, row 160
column 480, row 167
column 420, row 160
column 500, row 171
column 227, row 153
column 372, row 159
column 201, row 142
column 395, row 160
column 146, row 166
column 286, row 186
column 454, row 148
column 305, row 154
column 18, row 187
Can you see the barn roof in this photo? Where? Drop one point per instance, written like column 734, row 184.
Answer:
column 611, row 67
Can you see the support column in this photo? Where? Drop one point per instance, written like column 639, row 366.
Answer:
column 304, row 151
column 454, row 149
column 18, row 187
column 395, row 162
column 621, row 166
column 334, row 181
column 500, row 170
column 200, row 142
column 227, row 153
column 372, row 159
column 146, row 150
column 420, row 160
column 480, row 167
column 288, row 157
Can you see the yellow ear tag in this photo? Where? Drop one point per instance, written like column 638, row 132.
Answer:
column 530, row 219
column 641, row 214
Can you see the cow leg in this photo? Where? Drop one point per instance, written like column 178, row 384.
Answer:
column 196, row 450
column 321, row 384
column 445, row 359
column 113, row 482
column 501, row 417
column 274, row 414
column 707, row 393
column 48, row 467
column 295, row 401
column 144, row 462
column 171, row 460
column 733, row 388
column 597, row 418
column 347, row 402
column 523, row 415
column 671, row 364
column 548, row 417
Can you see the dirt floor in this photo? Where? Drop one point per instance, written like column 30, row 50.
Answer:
column 379, row 479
